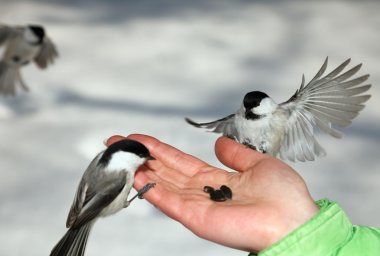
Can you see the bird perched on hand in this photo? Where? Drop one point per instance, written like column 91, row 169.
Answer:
column 21, row 46
column 287, row 129
column 102, row 191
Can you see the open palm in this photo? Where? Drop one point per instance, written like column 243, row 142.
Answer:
column 269, row 198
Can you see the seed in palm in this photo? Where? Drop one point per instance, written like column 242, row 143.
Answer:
column 218, row 195
column 226, row 191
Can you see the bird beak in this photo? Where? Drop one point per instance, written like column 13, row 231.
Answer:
column 151, row 158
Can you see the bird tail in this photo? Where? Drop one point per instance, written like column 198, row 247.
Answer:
column 74, row 242
column 10, row 78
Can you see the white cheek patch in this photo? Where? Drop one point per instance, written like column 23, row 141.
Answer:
column 30, row 36
column 266, row 106
column 124, row 160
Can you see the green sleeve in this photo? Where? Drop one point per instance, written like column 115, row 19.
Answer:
column 329, row 232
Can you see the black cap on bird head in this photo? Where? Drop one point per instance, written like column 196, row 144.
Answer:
column 252, row 100
column 126, row 145
column 38, row 31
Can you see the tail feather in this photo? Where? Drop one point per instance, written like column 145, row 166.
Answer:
column 73, row 243
column 10, row 78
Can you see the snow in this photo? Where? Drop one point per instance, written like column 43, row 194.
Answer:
column 142, row 66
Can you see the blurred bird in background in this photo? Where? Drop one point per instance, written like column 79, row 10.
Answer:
column 21, row 46
column 287, row 129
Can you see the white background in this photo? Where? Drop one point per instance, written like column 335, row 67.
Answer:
column 142, row 66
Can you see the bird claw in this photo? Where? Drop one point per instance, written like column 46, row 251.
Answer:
column 248, row 145
column 140, row 193
column 145, row 189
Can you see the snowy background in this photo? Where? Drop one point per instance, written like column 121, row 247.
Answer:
column 142, row 66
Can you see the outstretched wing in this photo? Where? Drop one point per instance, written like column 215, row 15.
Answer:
column 7, row 32
column 47, row 54
column 332, row 100
column 93, row 195
column 224, row 125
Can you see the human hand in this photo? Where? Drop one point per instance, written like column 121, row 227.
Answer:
column 269, row 198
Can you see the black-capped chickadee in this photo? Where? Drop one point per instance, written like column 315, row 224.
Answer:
column 21, row 46
column 287, row 129
column 103, row 191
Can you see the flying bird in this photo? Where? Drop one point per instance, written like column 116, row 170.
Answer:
column 22, row 45
column 287, row 130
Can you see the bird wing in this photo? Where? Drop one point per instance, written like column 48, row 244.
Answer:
column 7, row 32
column 224, row 125
column 47, row 53
column 10, row 78
column 326, row 101
column 93, row 195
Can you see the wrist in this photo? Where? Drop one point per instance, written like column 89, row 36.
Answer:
column 295, row 217
column 303, row 214
column 323, row 234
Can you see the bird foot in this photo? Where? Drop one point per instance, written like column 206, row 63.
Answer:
column 140, row 193
column 248, row 145
column 145, row 189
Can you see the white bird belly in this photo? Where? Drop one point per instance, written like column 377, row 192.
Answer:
column 266, row 133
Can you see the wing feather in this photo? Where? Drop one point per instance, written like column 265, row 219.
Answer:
column 224, row 125
column 337, row 70
column 83, row 195
column 320, row 72
column 306, row 147
column 94, row 194
column 5, row 33
column 290, row 143
column 298, row 147
column 102, row 199
column 10, row 32
column 47, row 54
column 325, row 102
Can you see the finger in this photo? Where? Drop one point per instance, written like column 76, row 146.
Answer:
column 161, row 170
column 169, row 175
column 151, row 176
column 113, row 139
column 236, row 155
column 170, row 156
column 164, row 196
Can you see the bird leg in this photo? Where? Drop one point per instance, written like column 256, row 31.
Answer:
column 140, row 193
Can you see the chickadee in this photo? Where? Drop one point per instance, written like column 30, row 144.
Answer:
column 103, row 191
column 22, row 45
column 287, row 129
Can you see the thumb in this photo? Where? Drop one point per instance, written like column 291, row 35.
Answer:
column 235, row 155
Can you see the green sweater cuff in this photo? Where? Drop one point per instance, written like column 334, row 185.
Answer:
column 321, row 235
